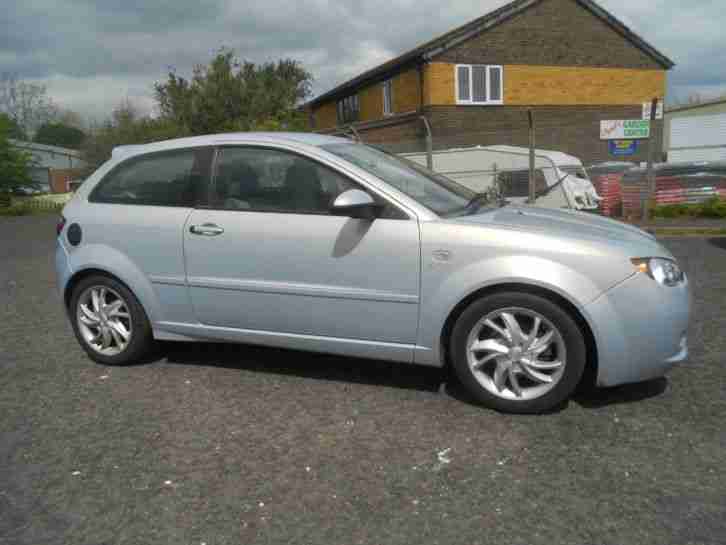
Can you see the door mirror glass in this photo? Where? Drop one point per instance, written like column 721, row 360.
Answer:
column 355, row 204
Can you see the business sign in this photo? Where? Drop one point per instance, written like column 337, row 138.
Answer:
column 628, row 129
column 648, row 106
column 623, row 148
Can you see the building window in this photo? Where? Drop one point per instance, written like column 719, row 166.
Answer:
column 348, row 110
column 388, row 97
column 479, row 84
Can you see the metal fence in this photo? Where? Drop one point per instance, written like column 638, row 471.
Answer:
column 500, row 158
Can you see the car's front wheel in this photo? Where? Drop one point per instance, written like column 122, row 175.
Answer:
column 109, row 322
column 518, row 352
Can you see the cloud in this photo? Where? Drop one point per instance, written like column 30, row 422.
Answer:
column 93, row 53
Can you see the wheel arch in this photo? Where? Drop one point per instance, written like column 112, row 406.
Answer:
column 81, row 275
column 108, row 262
column 591, row 367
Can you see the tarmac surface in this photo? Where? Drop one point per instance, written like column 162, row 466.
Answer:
column 212, row 444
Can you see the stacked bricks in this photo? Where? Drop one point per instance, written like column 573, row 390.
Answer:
column 672, row 188
column 608, row 186
column 608, row 181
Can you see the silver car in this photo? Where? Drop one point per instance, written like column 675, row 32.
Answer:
column 316, row 243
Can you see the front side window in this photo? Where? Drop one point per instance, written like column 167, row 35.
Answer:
column 175, row 178
column 434, row 191
column 479, row 84
column 269, row 180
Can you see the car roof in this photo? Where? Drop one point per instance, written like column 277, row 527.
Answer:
column 310, row 139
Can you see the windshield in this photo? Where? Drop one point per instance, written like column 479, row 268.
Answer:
column 577, row 171
column 434, row 191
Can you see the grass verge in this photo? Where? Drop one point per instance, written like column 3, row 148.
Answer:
column 24, row 210
column 695, row 232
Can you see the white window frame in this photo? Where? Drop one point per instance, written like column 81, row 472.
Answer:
column 388, row 109
column 471, row 101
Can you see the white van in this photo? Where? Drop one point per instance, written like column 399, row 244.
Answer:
column 562, row 181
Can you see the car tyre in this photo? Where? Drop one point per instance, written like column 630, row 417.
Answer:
column 102, row 308
column 494, row 338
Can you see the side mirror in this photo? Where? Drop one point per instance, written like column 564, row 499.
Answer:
column 355, row 203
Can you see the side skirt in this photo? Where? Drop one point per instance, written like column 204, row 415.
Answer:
column 404, row 353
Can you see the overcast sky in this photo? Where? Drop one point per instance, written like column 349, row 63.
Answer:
column 93, row 53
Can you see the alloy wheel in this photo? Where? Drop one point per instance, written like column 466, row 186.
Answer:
column 516, row 354
column 104, row 320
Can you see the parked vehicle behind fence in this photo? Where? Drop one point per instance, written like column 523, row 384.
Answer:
column 562, row 182
column 316, row 243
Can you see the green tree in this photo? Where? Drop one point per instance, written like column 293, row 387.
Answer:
column 13, row 129
column 228, row 95
column 58, row 134
column 14, row 163
column 126, row 126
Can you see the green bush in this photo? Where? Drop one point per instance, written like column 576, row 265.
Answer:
column 672, row 211
column 713, row 208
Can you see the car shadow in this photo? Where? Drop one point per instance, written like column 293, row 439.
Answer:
column 595, row 398
column 718, row 242
column 304, row 365
column 371, row 372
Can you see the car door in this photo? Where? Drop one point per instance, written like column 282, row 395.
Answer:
column 267, row 255
column 139, row 211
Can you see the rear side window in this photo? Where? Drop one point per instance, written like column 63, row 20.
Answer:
column 175, row 178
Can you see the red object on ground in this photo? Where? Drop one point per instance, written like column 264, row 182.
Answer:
column 608, row 186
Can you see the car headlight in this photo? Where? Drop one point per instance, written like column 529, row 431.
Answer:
column 664, row 271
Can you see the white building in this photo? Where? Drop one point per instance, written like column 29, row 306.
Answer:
column 696, row 132
column 53, row 166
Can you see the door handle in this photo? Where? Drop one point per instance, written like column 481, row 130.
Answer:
column 206, row 230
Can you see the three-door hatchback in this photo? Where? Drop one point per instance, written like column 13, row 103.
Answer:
column 317, row 243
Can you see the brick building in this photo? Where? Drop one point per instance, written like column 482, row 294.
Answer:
column 570, row 61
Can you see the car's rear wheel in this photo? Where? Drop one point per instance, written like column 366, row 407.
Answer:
column 109, row 322
column 518, row 352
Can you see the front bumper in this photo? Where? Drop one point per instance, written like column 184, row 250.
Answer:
column 641, row 330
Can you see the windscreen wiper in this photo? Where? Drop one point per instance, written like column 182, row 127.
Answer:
column 476, row 198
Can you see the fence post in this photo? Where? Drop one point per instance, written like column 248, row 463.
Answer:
column 650, row 196
column 429, row 144
column 532, row 181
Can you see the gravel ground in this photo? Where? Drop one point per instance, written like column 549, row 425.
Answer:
column 227, row 445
